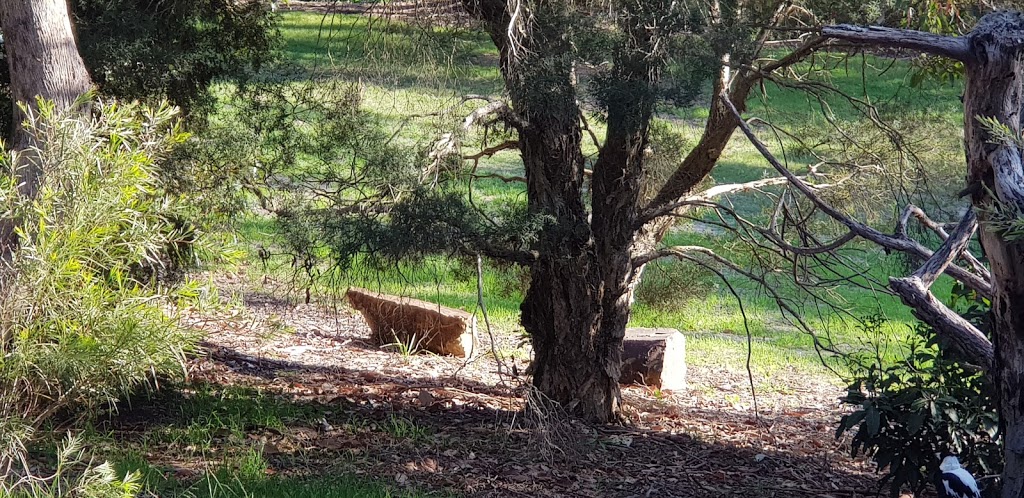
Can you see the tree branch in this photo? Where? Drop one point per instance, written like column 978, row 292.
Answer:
column 914, row 291
column 961, row 335
column 688, row 253
column 951, row 248
column 716, row 191
column 490, row 151
column 718, row 130
column 520, row 257
column 897, row 243
column 877, row 36
column 506, row 179
column 922, row 217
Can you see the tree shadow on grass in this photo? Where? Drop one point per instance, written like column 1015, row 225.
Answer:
column 451, row 435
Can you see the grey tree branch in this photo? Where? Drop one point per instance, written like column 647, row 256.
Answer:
column 946, row 46
column 896, row 243
column 711, row 193
column 969, row 342
column 966, row 339
column 922, row 217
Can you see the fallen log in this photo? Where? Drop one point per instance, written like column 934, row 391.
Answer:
column 419, row 325
column 654, row 357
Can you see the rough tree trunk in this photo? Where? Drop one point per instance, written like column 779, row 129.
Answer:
column 578, row 303
column 995, row 75
column 42, row 54
column 562, row 308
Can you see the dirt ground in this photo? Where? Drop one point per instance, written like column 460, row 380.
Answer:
column 702, row 442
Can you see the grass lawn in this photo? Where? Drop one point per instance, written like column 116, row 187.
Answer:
column 437, row 66
column 404, row 71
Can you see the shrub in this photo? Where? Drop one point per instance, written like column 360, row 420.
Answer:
column 77, row 331
column 912, row 409
column 74, row 477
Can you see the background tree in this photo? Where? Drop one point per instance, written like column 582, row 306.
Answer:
column 43, row 62
column 588, row 226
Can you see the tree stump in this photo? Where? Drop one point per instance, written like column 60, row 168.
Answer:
column 654, row 357
column 421, row 325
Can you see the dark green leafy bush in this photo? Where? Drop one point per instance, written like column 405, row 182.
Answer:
column 925, row 403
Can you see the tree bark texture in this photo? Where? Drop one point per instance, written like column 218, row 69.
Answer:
column 993, row 56
column 995, row 74
column 44, row 62
column 562, row 308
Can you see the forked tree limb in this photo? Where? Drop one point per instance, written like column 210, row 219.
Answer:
column 699, row 162
column 894, row 243
column 911, row 210
column 964, row 337
column 951, row 248
column 970, row 342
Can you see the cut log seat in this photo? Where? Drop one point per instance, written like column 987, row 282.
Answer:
column 424, row 325
column 654, row 357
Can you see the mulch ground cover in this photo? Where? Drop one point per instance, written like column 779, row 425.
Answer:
column 444, row 424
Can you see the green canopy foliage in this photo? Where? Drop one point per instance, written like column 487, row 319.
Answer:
column 168, row 49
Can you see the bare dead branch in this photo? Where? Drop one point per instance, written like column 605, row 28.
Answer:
column 490, row 151
column 896, row 243
column 922, row 217
column 492, row 108
column 690, row 253
column 506, row 179
column 960, row 334
column 953, row 246
column 877, row 36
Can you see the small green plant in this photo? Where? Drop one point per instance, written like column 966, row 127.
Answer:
column 74, row 476
column 251, row 465
column 403, row 428
column 407, row 347
column 906, row 412
column 657, row 393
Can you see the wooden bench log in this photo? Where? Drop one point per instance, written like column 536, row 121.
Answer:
column 420, row 324
column 655, row 358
